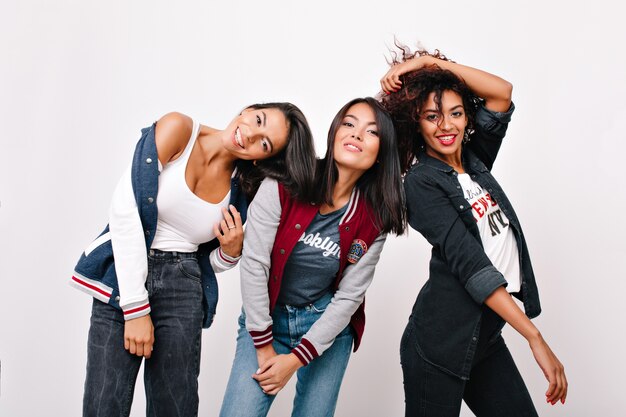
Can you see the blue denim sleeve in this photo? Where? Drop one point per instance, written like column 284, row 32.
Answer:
column 489, row 130
column 432, row 213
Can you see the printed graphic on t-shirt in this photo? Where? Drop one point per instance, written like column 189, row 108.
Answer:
column 325, row 244
column 314, row 261
column 483, row 204
column 497, row 237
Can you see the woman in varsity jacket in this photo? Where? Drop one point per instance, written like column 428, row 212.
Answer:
column 452, row 119
column 152, row 272
column 307, row 264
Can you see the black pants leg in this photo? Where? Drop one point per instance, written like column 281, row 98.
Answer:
column 495, row 388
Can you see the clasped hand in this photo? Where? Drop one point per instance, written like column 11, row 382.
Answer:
column 274, row 370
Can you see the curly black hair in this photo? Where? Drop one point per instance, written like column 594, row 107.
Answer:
column 405, row 105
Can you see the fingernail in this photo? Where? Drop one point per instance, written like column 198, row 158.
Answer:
column 387, row 92
column 562, row 400
column 258, row 371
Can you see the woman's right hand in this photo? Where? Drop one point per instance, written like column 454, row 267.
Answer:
column 264, row 353
column 391, row 83
column 552, row 369
column 139, row 336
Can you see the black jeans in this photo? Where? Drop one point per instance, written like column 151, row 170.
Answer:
column 171, row 374
column 495, row 387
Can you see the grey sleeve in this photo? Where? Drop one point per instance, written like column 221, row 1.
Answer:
column 346, row 300
column 263, row 219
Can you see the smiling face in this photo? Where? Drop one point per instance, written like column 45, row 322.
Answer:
column 356, row 140
column 443, row 128
column 256, row 134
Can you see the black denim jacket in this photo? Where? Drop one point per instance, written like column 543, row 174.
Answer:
column 448, row 310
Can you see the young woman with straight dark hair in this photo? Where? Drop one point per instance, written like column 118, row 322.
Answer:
column 152, row 272
column 307, row 264
column 451, row 121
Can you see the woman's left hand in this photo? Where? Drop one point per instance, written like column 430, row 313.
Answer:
column 229, row 232
column 391, row 83
column 274, row 374
column 552, row 369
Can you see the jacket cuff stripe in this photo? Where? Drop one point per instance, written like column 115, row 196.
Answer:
column 217, row 259
column 91, row 286
column 305, row 352
column 224, row 257
column 263, row 342
column 262, row 338
column 138, row 309
column 136, row 314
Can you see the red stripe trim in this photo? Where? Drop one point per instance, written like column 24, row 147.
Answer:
column 134, row 310
column 300, row 357
column 261, row 337
column 90, row 286
column 219, row 251
column 256, row 333
column 309, row 346
column 260, row 345
column 354, row 204
column 304, row 353
column 351, row 207
column 260, row 341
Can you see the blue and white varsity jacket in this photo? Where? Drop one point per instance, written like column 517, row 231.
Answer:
column 131, row 229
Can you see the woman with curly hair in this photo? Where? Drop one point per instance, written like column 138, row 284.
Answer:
column 151, row 272
column 451, row 120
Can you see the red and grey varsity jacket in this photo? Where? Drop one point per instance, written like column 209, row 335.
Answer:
column 360, row 246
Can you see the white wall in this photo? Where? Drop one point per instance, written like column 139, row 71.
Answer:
column 79, row 78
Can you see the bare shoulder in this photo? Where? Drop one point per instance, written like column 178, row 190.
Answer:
column 172, row 134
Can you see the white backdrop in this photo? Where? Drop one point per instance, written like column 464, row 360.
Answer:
column 79, row 78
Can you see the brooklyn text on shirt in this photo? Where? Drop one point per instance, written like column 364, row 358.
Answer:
column 316, row 241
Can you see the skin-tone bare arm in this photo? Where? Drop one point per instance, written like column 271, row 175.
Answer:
column 171, row 136
column 494, row 90
column 501, row 302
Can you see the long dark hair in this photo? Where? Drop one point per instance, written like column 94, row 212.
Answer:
column 381, row 185
column 405, row 104
column 293, row 166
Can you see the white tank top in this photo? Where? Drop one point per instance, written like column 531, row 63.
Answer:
column 184, row 220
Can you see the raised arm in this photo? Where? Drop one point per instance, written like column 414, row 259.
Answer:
column 494, row 90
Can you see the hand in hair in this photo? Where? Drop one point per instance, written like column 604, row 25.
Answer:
column 494, row 90
column 390, row 83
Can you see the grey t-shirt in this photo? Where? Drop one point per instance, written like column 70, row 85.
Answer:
column 314, row 262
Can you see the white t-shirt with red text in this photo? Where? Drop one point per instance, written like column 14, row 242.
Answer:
column 497, row 237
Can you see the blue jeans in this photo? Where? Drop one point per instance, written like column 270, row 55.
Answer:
column 495, row 387
column 171, row 374
column 318, row 383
